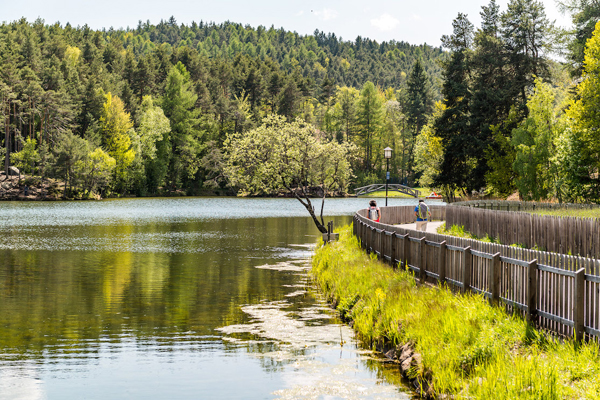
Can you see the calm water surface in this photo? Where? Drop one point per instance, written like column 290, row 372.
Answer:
column 192, row 298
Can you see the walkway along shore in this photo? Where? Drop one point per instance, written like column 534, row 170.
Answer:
column 555, row 292
column 450, row 345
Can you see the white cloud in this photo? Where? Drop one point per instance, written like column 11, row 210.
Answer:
column 416, row 17
column 299, row 13
column 326, row 14
column 385, row 23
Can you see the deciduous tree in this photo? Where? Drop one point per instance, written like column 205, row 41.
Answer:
column 282, row 156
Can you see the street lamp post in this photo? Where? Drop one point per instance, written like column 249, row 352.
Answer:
column 387, row 152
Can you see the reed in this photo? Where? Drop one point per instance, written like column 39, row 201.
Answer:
column 469, row 349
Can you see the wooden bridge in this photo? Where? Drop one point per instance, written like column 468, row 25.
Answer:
column 376, row 187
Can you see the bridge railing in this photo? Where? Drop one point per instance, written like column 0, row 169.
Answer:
column 555, row 292
column 376, row 187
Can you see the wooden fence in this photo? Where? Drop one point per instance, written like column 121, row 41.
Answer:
column 524, row 205
column 390, row 215
column 555, row 292
column 565, row 235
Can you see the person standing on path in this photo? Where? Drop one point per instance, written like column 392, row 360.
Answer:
column 374, row 213
column 423, row 215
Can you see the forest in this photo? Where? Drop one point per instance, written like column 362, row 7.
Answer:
column 501, row 109
column 146, row 111
column 513, row 119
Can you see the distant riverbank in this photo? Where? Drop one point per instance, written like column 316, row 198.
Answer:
column 29, row 188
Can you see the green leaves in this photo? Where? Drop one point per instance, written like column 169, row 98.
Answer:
column 286, row 156
column 584, row 137
column 534, row 140
column 115, row 124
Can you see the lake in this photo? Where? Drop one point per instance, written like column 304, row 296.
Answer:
column 187, row 298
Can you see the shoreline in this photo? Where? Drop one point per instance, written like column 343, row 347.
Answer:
column 449, row 344
column 13, row 188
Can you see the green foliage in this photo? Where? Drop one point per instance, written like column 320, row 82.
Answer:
column 115, row 124
column 27, row 158
column 369, row 119
column 534, row 141
column 67, row 158
column 584, row 16
column 489, row 73
column 459, row 231
column 429, row 151
column 501, row 156
column 210, row 81
column 580, row 147
column 96, row 170
column 282, row 156
column 186, row 137
column 452, row 126
column 469, row 348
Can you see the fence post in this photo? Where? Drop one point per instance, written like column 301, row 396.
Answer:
column 532, row 291
column 442, row 262
column 364, row 235
column 467, row 268
column 495, row 279
column 363, row 239
column 393, row 249
column 422, row 258
column 372, row 241
column 578, row 293
column 406, row 254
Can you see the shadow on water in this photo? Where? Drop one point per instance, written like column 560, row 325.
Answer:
column 98, row 300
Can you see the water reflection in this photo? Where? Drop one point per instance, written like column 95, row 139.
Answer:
column 121, row 299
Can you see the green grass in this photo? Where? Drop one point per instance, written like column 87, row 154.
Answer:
column 470, row 350
column 459, row 231
column 581, row 213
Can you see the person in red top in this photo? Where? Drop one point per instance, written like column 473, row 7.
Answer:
column 374, row 213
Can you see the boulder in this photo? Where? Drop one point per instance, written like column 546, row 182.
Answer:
column 405, row 365
column 14, row 171
column 391, row 354
column 404, row 352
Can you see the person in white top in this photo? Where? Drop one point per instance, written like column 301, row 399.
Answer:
column 374, row 213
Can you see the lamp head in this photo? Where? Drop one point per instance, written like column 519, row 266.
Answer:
column 387, row 152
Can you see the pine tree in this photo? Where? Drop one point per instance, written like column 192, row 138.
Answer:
column 289, row 101
column 369, row 118
column 490, row 100
column 186, row 139
column 417, row 106
column 584, row 15
column 453, row 125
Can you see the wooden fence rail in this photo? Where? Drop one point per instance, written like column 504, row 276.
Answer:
column 505, row 205
column 502, row 220
column 555, row 292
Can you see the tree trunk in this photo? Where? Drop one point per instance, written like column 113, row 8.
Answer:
column 305, row 201
column 7, row 139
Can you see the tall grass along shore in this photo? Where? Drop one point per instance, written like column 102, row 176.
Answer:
column 448, row 345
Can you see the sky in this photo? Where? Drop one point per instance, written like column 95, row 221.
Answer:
column 413, row 21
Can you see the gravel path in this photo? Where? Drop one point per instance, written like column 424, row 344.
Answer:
column 431, row 226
